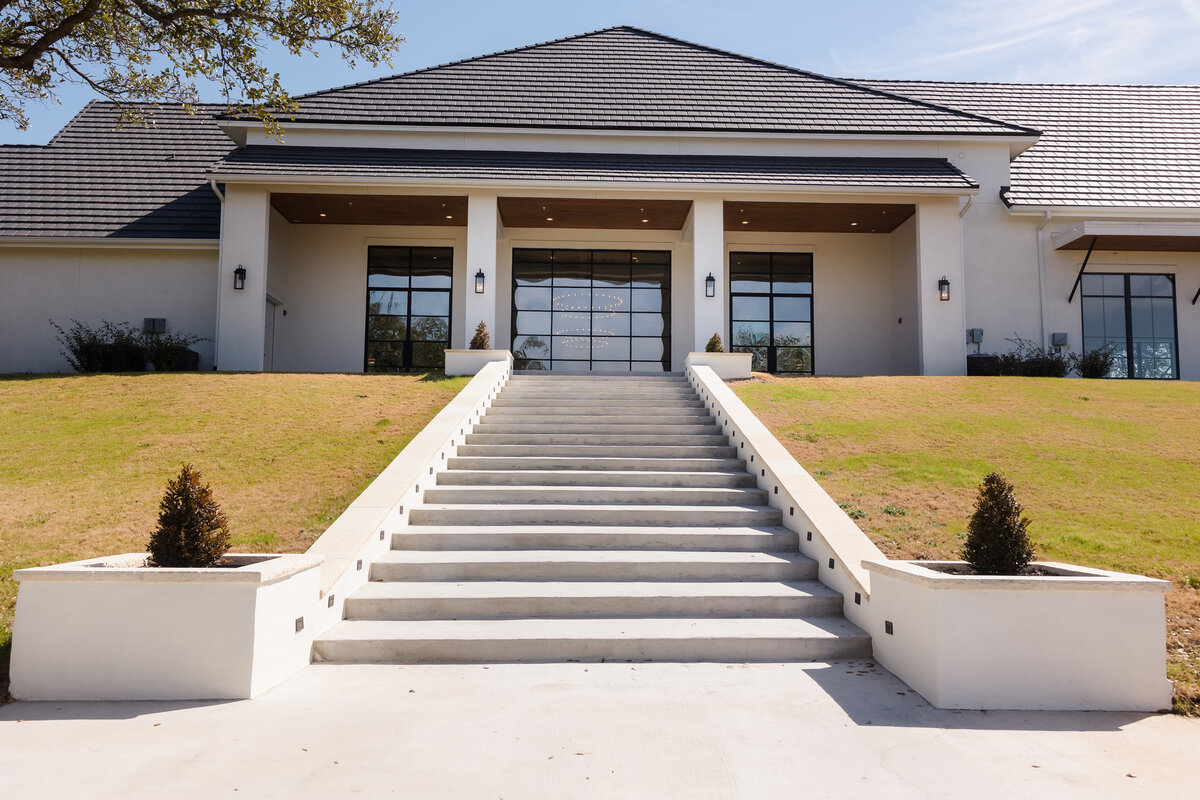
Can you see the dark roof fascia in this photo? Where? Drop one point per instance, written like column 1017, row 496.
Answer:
column 1024, row 135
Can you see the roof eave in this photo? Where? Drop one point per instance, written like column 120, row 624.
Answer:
column 356, row 180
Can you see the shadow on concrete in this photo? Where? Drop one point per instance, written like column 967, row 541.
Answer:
column 870, row 695
column 42, row 711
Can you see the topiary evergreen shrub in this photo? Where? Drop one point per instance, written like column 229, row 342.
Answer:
column 997, row 541
column 482, row 340
column 714, row 344
column 192, row 530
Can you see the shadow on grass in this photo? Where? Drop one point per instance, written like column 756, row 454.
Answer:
column 870, row 695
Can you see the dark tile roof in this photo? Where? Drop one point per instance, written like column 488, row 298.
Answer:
column 1116, row 146
column 96, row 178
column 365, row 162
column 630, row 79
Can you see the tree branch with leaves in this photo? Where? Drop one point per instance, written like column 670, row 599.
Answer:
column 139, row 52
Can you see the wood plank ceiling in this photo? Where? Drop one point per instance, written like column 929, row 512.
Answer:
column 370, row 209
column 816, row 217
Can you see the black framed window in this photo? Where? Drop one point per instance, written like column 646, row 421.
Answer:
column 408, row 308
column 1135, row 315
column 770, row 297
column 591, row 310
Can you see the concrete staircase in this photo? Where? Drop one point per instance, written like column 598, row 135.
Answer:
column 594, row 518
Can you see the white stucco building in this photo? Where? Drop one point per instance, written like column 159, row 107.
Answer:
column 607, row 202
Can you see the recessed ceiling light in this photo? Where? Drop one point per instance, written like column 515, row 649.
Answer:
column 645, row 220
column 852, row 224
column 322, row 213
column 449, row 216
column 549, row 219
column 745, row 222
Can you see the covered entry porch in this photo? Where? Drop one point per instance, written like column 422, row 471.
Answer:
column 600, row 279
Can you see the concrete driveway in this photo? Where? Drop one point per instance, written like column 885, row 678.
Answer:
column 621, row 730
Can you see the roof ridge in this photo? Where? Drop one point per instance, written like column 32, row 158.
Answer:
column 836, row 81
column 459, row 61
column 1034, row 83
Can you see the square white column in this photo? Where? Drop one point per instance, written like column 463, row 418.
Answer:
column 942, row 331
column 241, row 313
column 483, row 228
column 710, row 314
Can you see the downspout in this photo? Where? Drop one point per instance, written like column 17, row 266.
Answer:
column 962, row 259
column 1042, row 270
column 220, row 246
column 962, row 211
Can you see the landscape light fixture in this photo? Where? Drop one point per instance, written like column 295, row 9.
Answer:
column 479, row 280
column 239, row 278
column 944, row 289
column 710, row 286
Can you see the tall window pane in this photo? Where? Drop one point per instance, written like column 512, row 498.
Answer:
column 771, row 310
column 408, row 307
column 1134, row 315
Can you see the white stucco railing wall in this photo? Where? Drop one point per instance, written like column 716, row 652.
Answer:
column 364, row 530
column 826, row 534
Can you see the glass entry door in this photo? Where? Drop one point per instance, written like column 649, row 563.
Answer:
column 592, row 310
column 770, row 297
column 408, row 308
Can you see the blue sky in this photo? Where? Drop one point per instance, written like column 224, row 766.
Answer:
column 1083, row 41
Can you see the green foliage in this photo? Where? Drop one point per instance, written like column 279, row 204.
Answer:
column 120, row 347
column 192, row 530
column 148, row 51
column 482, row 340
column 1094, row 363
column 997, row 541
column 1030, row 360
column 714, row 344
column 894, row 511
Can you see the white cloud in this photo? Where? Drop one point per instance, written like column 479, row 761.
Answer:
column 1089, row 41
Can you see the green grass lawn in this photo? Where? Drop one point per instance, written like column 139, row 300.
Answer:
column 86, row 458
column 1108, row 471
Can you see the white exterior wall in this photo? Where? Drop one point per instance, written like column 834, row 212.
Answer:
column 319, row 272
column 245, row 226
column 93, row 284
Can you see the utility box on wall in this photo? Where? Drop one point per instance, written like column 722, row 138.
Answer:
column 154, row 325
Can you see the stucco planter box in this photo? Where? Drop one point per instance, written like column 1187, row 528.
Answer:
column 114, row 629
column 728, row 366
column 469, row 362
column 1080, row 638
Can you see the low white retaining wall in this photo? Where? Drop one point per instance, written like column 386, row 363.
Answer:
column 1083, row 639
column 1091, row 640
column 827, row 535
column 364, row 530
column 727, row 366
column 469, row 362
column 114, row 629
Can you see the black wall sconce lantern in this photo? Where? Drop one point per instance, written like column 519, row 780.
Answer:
column 479, row 279
column 710, row 286
column 944, row 289
column 239, row 278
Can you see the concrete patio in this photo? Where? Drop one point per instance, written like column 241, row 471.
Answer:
column 841, row 729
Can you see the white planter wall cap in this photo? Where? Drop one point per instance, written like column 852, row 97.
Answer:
column 112, row 628
column 727, row 366
column 469, row 362
column 246, row 568
column 1067, row 577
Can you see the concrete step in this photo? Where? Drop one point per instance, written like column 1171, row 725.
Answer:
column 586, row 599
column 600, row 565
column 583, row 494
column 597, row 438
column 662, row 427
column 597, row 451
column 583, row 476
column 594, row 537
column 591, row 514
column 599, row 394
column 616, row 414
column 609, row 379
column 597, row 464
column 582, row 400
column 532, row 640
